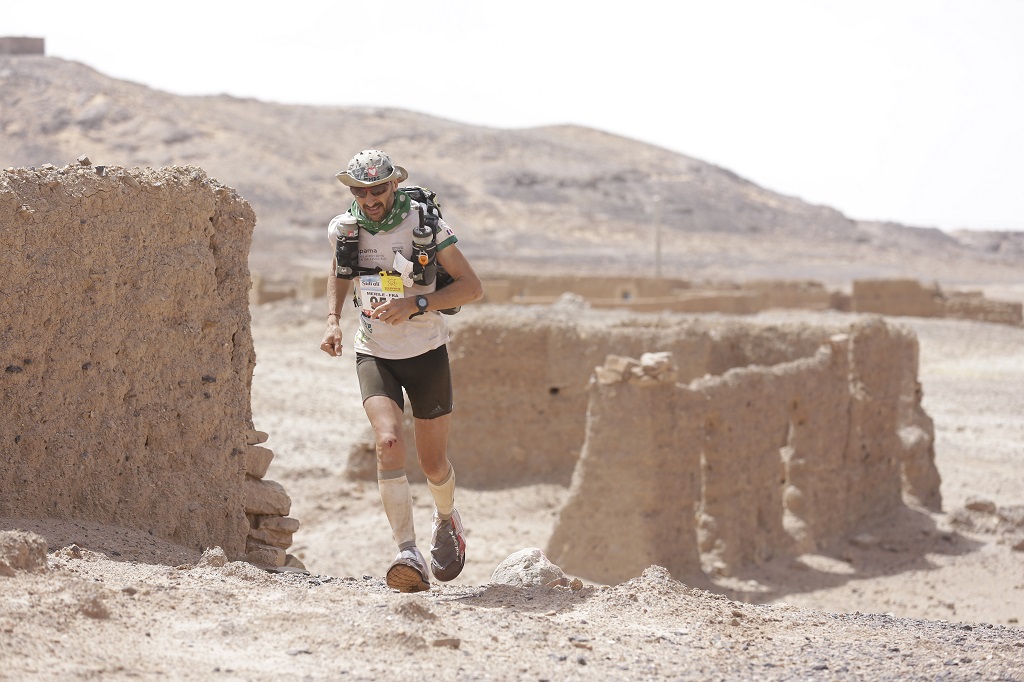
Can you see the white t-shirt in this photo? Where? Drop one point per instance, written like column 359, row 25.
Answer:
column 414, row 336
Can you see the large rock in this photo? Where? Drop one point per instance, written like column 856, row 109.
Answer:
column 528, row 568
column 21, row 551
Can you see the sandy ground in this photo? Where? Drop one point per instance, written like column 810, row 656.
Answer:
column 920, row 566
column 924, row 596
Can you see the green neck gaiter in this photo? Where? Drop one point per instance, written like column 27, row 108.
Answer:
column 397, row 214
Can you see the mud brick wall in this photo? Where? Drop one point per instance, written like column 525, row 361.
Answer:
column 767, row 439
column 974, row 306
column 628, row 514
column 736, row 469
column 521, row 374
column 896, row 297
column 126, row 354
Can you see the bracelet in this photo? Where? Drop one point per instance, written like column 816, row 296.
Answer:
column 334, row 315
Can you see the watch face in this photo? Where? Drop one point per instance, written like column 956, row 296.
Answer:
column 421, row 302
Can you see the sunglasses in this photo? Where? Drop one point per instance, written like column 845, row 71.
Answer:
column 377, row 191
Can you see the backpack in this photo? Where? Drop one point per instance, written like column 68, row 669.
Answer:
column 425, row 268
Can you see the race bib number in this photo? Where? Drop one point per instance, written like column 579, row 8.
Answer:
column 375, row 290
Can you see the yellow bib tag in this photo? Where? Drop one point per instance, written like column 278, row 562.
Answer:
column 391, row 284
column 375, row 290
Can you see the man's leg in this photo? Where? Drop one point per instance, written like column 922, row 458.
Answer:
column 448, row 543
column 408, row 572
column 386, row 420
column 432, row 446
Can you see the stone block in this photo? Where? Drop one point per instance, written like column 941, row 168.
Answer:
column 254, row 437
column 267, row 556
column 274, row 530
column 257, row 461
column 282, row 524
column 265, row 497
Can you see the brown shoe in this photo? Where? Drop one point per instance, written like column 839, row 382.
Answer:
column 408, row 572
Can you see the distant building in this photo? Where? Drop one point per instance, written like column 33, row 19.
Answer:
column 22, row 45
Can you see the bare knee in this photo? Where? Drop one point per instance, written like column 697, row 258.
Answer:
column 434, row 468
column 390, row 451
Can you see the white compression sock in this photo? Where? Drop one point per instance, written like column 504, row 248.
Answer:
column 444, row 493
column 396, row 495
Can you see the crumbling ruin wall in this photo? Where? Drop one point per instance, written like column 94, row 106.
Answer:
column 802, row 294
column 884, row 297
column 974, row 306
column 895, row 297
column 909, row 297
column 541, row 286
column 736, row 469
column 521, row 376
column 126, row 357
column 649, row 509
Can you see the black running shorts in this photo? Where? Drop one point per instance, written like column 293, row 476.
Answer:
column 427, row 379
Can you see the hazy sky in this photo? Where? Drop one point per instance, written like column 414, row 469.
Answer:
column 904, row 110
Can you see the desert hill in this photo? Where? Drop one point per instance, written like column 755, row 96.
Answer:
column 566, row 198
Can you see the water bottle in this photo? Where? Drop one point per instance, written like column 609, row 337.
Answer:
column 423, row 252
column 347, row 249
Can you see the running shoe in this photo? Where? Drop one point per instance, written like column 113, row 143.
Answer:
column 447, row 547
column 408, row 572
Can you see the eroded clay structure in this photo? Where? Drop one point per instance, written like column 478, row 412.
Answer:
column 126, row 358
column 751, row 441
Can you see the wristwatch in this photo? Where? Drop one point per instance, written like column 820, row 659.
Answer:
column 421, row 303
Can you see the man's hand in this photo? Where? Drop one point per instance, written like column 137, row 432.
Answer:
column 395, row 311
column 332, row 340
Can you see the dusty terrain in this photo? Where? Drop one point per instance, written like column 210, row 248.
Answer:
column 940, row 599
column 924, row 596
